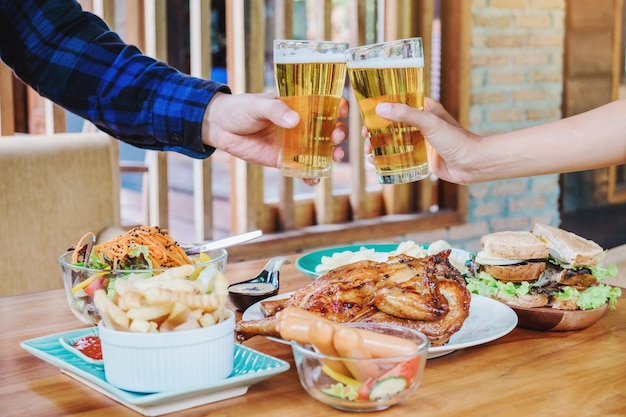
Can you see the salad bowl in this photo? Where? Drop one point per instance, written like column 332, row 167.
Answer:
column 363, row 384
column 81, row 282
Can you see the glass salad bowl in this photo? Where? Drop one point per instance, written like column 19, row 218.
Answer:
column 80, row 282
column 359, row 384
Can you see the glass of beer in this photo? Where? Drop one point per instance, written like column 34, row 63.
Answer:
column 310, row 78
column 391, row 72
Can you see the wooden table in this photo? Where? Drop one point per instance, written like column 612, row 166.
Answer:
column 525, row 373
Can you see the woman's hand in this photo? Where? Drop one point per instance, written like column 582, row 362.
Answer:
column 450, row 148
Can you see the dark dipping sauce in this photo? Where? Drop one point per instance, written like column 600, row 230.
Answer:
column 89, row 346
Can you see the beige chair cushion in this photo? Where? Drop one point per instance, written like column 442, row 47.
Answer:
column 53, row 189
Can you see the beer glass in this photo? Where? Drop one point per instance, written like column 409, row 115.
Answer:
column 391, row 72
column 310, row 77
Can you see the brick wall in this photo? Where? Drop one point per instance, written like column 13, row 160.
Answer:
column 516, row 81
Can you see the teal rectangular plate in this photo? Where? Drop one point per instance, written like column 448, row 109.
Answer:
column 250, row 367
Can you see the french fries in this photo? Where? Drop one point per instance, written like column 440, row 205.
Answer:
column 164, row 303
column 113, row 316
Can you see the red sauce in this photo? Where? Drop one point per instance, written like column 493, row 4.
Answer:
column 90, row 346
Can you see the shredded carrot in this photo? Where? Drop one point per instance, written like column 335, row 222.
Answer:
column 79, row 246
column 163, row 251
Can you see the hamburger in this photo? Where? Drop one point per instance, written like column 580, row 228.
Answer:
column 547, row 267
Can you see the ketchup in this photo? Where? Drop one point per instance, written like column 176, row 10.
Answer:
column 90, row 346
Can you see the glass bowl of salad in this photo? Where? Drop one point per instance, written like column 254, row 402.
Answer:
column 363, row 382
column 80, row 281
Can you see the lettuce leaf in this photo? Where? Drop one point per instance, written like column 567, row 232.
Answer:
column 484, row 284
column 604, row 272
column 592, row 297
column 567, row 293
column 94, row 262
column 137, row 258
column 596, row 296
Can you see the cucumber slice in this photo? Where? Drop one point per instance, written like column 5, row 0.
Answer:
column 387, row 388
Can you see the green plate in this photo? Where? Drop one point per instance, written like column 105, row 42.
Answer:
column 307, row 263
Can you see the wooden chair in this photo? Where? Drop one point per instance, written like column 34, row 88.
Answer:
column 53, row 189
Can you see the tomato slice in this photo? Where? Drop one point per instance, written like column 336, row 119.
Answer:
column 94, row 285
column 83, row 284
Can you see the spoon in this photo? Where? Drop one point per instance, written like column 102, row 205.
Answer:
column 264, row 285
column 89, row 248
column 83, row 249
column 223, row 243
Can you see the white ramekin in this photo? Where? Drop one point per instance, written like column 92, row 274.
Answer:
column 157, row 362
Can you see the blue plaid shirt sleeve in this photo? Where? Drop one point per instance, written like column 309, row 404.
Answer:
column 72, row 58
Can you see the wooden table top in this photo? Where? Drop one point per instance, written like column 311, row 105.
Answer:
column 525, row 373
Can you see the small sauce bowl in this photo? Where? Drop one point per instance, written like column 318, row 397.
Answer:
column 70, row 346
column 266, row 284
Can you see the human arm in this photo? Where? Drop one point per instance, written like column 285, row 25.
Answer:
column 72, row 58
column 589, row 140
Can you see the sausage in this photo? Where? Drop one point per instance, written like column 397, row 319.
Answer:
column 384, row 345
column 321, row 334
column 349, row 344
column 295, row 328
column 293, row 322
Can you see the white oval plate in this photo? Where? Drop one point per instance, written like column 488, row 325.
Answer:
column 488, row 320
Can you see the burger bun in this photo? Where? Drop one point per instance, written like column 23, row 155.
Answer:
column 514, row 245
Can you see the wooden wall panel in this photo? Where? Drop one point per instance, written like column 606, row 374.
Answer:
column 588, row 55
column 7, row 115
column 593, row 68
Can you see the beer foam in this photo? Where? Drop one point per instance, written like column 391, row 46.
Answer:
column 387, row 62
column 305, row 56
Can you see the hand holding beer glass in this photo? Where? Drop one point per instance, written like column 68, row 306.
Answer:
column 310, row 77
column 391, row 72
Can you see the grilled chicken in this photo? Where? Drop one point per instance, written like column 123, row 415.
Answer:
column 426, row 294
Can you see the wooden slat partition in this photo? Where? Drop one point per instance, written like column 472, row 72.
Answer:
column 156, row 46
column 455, row 82
column 324, row 201
column 360, row 201
column 283, row 29
column 200, row 64
column 134, row 31
column 407, row 19
column 245, row 59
